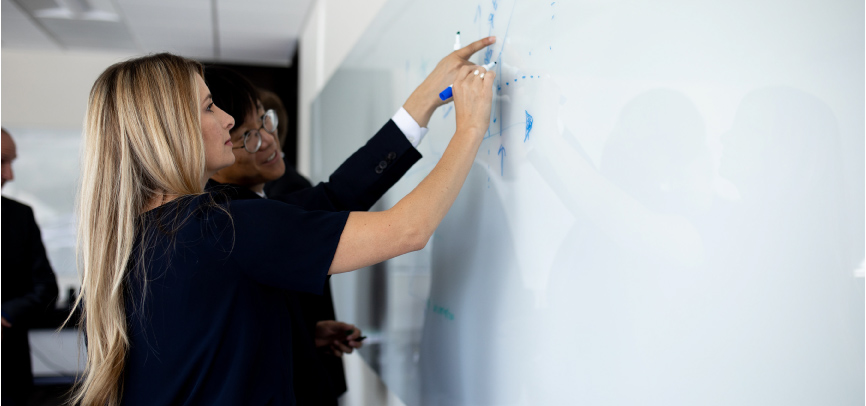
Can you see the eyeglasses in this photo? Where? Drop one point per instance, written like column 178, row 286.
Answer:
column 253, row 139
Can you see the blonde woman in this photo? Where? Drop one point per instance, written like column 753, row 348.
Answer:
column 181, row 290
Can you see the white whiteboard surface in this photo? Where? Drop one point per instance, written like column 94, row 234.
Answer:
column 680, row 225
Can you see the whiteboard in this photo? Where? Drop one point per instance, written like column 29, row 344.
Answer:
column 667, row 208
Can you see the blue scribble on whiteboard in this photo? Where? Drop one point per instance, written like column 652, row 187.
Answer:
column 490, row 18
column 495, row 4
column 528, row 125
column 447, row 112
column 502, row 160
column 487, row 55
column 440, row 310
column 477, row 14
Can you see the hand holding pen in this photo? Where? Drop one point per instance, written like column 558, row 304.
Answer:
column 425, row 99
column 337, row 337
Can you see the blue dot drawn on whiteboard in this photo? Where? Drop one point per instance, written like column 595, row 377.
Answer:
column 528, row 125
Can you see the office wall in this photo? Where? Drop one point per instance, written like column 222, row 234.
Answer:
column 331, row 30
column 48, row 89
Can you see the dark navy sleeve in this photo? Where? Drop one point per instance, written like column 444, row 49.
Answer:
column 284, row 246
column 364, row 177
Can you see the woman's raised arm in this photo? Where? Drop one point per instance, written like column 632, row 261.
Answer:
column 370, row 238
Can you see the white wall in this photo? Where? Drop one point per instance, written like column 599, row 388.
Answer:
column 49, row 89
column 330, row 31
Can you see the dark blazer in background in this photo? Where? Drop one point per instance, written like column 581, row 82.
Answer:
column 29, row 292
column 355, row 186
column 290, row 182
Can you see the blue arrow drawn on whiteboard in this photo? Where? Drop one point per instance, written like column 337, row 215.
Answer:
column 501, row 160
column 528, row 125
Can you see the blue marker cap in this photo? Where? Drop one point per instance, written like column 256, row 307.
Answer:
column 446, row 94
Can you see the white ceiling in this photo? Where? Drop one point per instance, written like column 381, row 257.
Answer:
column 259, row 32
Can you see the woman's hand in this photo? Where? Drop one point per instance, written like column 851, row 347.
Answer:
column 473, row 96
column 333, row 336
column 425, row 99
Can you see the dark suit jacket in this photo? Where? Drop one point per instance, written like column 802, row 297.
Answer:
column 355, row 186
column 290, row 182
column 29, row 291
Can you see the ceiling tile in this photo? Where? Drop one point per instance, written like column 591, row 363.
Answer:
column 179, row 28
column 250, row 31
column 87, row 34
column 19, row 30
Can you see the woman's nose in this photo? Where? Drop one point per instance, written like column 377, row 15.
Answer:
column 229, row 120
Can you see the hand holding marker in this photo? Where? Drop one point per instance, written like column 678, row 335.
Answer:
column 359, row 339
column 448, row 92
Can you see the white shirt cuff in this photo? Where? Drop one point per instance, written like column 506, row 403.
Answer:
column 410, row 128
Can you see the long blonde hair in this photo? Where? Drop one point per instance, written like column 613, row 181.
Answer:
column 142, row 140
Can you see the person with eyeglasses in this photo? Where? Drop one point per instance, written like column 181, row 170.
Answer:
column 359, row 182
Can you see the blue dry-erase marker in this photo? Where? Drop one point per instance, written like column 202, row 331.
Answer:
column 448, row 92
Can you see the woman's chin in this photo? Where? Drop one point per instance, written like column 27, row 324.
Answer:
column 225, row 163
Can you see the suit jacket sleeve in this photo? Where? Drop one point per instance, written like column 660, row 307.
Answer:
column 23, row 309
column 364, row 177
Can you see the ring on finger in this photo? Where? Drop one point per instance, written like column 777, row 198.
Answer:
column 475, row 73
column 481, row 76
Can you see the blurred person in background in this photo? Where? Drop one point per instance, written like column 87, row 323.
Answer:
column 318, row 340
column 29, row 287
column 356, row 185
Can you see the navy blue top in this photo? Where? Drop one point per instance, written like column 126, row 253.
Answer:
column 210, row 325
